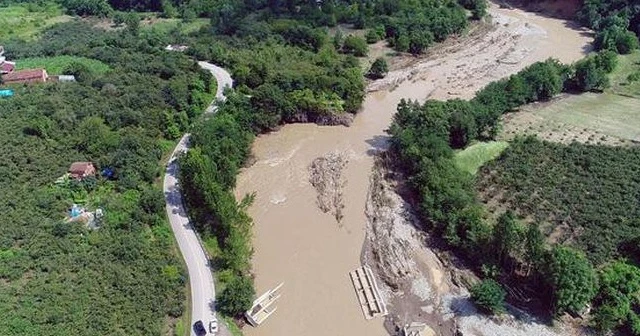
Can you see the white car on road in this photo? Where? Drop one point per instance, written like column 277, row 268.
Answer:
column 213, row 327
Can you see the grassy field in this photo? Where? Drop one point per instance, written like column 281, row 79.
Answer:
column 475, row 156
column 627, row 65
column 28, row 20
column 609, row 118
column 166, row 25
column 55, row 65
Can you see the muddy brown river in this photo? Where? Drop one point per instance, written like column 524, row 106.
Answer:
column 307, row 249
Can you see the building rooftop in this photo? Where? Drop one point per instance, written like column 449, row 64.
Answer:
column 24, row 75
column 80, row 167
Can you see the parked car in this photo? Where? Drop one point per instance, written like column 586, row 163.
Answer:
column 213, row 327
column 199, row 329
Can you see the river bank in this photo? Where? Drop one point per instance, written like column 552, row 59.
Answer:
column 310, row 250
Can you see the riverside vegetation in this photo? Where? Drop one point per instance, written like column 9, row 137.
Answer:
column 586, row 191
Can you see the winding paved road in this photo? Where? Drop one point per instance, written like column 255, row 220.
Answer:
column 198, row 264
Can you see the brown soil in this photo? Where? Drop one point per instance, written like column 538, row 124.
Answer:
column 410, row 273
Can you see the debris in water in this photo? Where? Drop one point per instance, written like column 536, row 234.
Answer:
column 326, row 177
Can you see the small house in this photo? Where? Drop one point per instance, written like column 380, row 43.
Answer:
column 80, row 170
column 26, row 76
column 66, row 78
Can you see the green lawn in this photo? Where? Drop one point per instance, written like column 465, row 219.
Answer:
column 475, row 156
column 26, row 21
column 55, row 65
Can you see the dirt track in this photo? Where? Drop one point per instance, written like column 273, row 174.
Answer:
column 297, row 243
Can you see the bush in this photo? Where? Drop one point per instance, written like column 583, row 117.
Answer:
column 372, row 36
column 489, row 296
column 634, row 77
column 378, row 69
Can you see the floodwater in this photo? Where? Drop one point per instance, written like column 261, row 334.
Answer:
column 307, row 249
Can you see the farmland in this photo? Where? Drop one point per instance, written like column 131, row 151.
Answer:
column 27, row 21
column 583, row 195
column 608, row 118
column 56, row 65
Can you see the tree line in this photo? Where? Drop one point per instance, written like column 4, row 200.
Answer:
column 424, row 137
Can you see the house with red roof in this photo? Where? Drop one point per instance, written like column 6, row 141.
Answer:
column 80, row 170
column 26, row 76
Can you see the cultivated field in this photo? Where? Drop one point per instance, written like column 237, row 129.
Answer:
column 28, row 20
column 55, row 65
column 609, row 118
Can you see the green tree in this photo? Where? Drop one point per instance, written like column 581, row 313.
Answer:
column 119, row 18
column 378, row 69
column 606, row 60
column 589, row 76
column 81, row 72
column 237, row 297
column 132, row 20
column 571, row 278
column 355, row 45
column 543, row 79
column 489, row 296
column 338, row 38
column 508, row 238
column 371, row 36
column 619, row 292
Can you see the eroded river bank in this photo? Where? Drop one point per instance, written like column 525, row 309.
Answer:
column 311, row 250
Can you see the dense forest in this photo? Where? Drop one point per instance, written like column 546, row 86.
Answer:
column 548, row 182
column 59, row 277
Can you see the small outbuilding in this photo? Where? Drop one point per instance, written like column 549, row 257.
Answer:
column 80, row 170
column 63, row 78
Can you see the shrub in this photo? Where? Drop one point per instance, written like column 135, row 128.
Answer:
column 633, row 77
column 489, row 296
column 378, row 69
